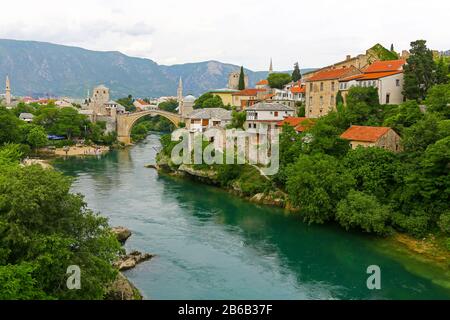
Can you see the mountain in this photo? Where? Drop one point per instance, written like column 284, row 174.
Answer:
column 44, row 69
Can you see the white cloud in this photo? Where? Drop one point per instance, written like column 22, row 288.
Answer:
column 248, row 33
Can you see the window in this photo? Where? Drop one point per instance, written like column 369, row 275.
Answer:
column 254, row 126
column 397, row 82
column 249, row 125
column 332, row 100
column 321, row 100
column 310, row 101
column 321, row 86
column 311, row 87
column 332, row 86
column 276, row 113
column 388, row 98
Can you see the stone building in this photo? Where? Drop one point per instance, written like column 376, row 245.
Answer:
column 97, row 103
column 365, row 136
column 202, row 119
column 233, row 80
column 322, row 88
column 386, row 76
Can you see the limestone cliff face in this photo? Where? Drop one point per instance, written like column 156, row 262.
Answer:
column 40, row 69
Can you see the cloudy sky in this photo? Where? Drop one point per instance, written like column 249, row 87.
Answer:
column 242, row 32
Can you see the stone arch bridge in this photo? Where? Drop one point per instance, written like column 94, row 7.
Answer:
column 125, row 122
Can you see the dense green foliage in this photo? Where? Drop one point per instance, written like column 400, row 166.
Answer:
column 127, row 102
column 208, row 100
column 170, row 105
column 382, row 53
column 44, row 229
column 373, row 189
column 296, row 74
column 278, row 80
column 146, row 124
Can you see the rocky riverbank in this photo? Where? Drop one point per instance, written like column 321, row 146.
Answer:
column 122, row 288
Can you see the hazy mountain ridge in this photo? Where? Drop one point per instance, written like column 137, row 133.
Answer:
column 40, row 69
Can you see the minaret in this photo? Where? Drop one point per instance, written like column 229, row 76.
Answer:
column 271, row 67
column 180, row 96
column 8, row 92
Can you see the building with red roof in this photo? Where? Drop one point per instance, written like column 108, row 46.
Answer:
column 386, row 76
column 300, row 124
column 322, row 88
column 365, row 136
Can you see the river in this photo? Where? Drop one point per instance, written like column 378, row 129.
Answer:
column 212, row 245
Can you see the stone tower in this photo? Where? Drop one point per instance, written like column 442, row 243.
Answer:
column 99, row 99
column 8, row 92
column 233, row 80
column 270, row 67
column 180, row 92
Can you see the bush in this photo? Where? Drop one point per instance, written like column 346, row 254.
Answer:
column 444, row 222
column 360, row 210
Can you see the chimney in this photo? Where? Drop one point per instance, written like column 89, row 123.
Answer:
column 348, row 57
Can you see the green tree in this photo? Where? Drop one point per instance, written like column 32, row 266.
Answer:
column 404, row 116
column 360, row 210
column 316, row 184
column 37, row 137
column 438, row 100
column 296, row 74
column 238, row 119
column 241, row 84
column 208, row 100
column 279, row 80
column 419, row 72
column 442, row 72
column 9, row 127
column 127, row 102
column 392, row 48
column 69, row 123
column 363, row 106
column 339, row 98
column 170, row 105
column 43, row 230
column 422, row 134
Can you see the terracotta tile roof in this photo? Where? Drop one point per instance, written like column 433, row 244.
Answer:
column 268, row 96
column 355, row 77
column 330, row 74
column 298, row 89
column 248, row 92
column 385, row 66
column 364, row 133
column 377, row 75
column 301, row 124
column 263, row 82
column 142, row 102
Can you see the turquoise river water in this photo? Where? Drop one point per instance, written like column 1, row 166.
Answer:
column 212, row 245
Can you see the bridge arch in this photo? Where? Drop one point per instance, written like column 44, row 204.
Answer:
column 125, row 122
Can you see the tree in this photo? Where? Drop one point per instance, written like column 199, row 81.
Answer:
column 170, row 105
column 392, row 48
column 404, row 116
column 37, row 137
column 438, row 100
column 241, row 85
column 339, row 98
column 374, row 170
column 360, row 210
column 442, row 72
column 9, row 127
column 44, row 229
column 69, row 123
column 316, row 184
column 127, row 102
column 363, row 106
column 279, row 80
column 419, row 71
column 422, row 134
column 208, row 100
column 238, row 119
column 296, row 74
